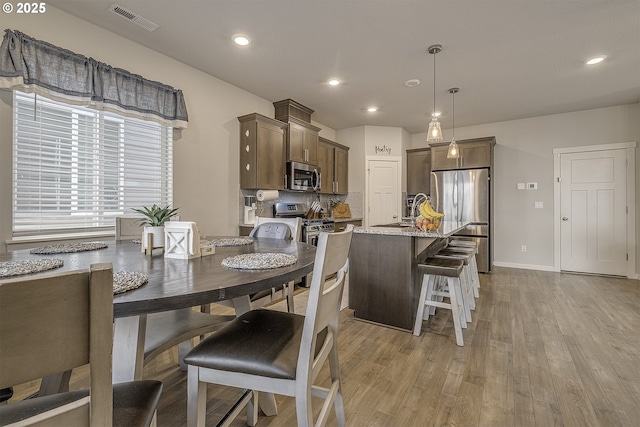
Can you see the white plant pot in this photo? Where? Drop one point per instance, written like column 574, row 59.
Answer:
column 158, row 236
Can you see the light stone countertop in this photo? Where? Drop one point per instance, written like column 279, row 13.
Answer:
column 446, row 229
column 347, row 219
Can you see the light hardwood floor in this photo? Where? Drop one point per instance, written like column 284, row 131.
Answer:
column 543, row 349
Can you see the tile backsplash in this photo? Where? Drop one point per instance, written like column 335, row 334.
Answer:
column 354, row 199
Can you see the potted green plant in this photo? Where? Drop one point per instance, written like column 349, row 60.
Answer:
column 153, row 221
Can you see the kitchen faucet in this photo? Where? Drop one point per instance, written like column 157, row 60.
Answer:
column 415, row 202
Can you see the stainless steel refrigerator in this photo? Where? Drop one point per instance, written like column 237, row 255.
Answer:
column 465, row 195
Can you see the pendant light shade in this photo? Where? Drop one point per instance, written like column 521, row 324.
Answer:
column 434, row 133
column 454, row 150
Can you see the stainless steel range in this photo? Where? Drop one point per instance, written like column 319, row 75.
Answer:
column 311, row 228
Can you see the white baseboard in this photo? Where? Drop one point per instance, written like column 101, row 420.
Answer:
column 524, row 266
column 538, row 267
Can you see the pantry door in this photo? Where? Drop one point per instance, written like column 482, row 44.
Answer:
column 383, row 191
column 593, row 210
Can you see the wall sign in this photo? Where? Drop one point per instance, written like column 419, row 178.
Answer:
column 382, row 149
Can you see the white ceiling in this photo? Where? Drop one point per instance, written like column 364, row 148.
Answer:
column 511, row 59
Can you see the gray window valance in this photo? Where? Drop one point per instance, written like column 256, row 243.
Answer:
column 38, row 67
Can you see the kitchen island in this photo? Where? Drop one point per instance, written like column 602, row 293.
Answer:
column 384, row 284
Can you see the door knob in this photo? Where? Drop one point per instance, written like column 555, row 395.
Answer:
column 564, row 218
column 395, row 216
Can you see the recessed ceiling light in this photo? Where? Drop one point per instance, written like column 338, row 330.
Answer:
column 334, row 82
column 241, row 39
column 412, row 82
column 596, row 60
column 372, row 109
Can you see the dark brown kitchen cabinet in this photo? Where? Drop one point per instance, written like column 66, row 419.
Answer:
column 302, row 142
column 474, row 153
column 333, row 160
column 262, row 152
column 302, row 136
column 419, row 171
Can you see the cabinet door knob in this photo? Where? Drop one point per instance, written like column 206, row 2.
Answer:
column 564, row 218
column 247, row 148
column 248, row 166
column 246, row 133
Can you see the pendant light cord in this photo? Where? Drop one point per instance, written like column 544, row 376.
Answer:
column 434, row 86
column 453, row 116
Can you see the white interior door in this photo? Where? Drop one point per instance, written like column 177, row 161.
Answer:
column 383, row 195
column 593, row 205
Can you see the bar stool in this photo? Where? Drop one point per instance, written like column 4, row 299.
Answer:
column 466, row 285
column 461, row 242
column 431, row 270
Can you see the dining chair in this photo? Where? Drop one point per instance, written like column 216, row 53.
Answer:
column 295, row 225
column 128, row 228
column 54, row 323
column 168, row 329
column 267, row 351
column 275, row 228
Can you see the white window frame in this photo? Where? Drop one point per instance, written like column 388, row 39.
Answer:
column 107, row 164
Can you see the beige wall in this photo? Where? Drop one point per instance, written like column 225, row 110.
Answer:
column 206, row 154
column 524, row 154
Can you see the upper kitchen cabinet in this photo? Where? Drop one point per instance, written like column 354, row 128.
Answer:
column 333, row 160
column 474, row 153
column 302, row 136
column 302, row 142
column 419, row 171
column 262, row 152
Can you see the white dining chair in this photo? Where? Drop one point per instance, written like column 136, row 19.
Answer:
column 54, row 323
column 286, row 290
column 128, row 228
column 295, row 225
column 277, row 352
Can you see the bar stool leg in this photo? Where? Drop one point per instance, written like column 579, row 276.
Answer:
column 456, row 309
column 421, row 305
column 434, row 282
column 476, row 277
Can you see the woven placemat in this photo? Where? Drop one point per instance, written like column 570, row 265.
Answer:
column 259, row 261
column 227, row 241
column 68, row 248
column 28, row 266
column 124, row 281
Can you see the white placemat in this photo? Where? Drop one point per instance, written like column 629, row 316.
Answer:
column 68, row 248
column 124, row 281
column 259, row 261
column 28, row 266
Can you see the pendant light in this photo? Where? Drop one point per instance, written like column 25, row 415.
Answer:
column 435, row 132
column 454, row 150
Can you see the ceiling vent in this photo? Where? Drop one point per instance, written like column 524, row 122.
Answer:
column 136, row 19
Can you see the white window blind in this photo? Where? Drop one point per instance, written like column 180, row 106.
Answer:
column 76, row 169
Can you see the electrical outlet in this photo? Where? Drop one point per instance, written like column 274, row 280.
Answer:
column 524, row 248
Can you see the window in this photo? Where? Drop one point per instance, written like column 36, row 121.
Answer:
column 76, row 169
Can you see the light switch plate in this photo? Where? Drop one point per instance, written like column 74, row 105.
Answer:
column 520, row 186
column 539, row 205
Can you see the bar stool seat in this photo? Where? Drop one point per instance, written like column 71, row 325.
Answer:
column 466, row 278
column 455, row 243
column 450, row 269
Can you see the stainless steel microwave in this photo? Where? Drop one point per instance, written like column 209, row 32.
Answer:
column 303, row 177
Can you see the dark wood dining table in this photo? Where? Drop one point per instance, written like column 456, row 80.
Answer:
column 175, row 284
